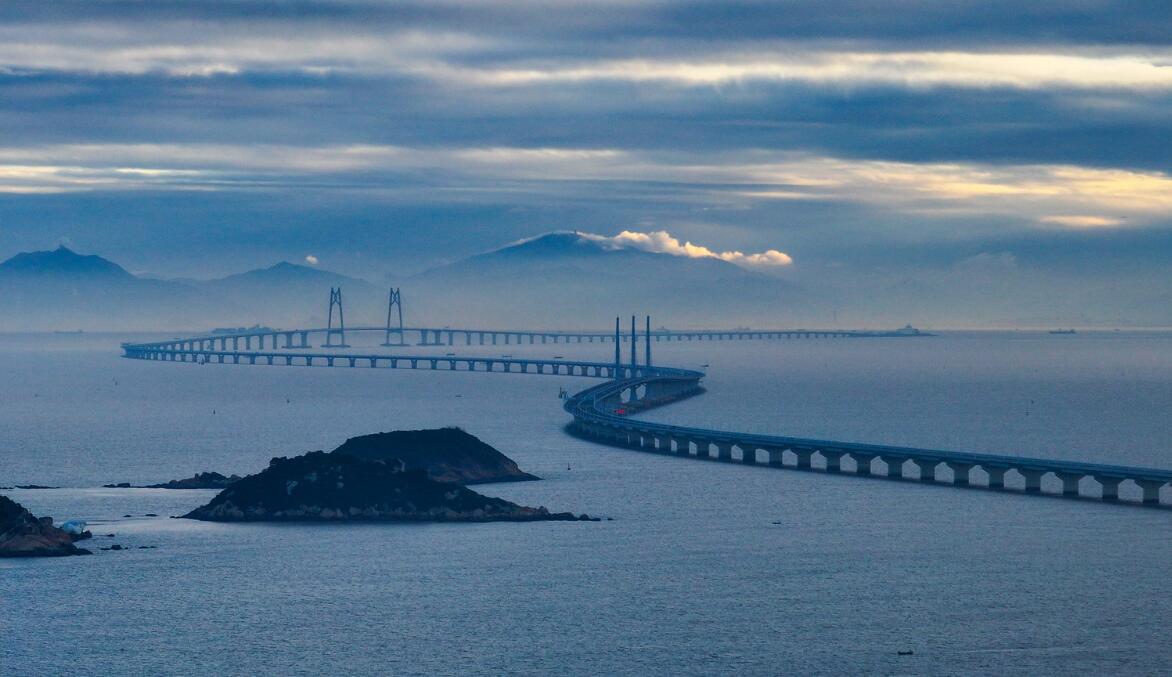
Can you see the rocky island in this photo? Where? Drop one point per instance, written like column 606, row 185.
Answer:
column 445, row 454
column 22, row 534
column 321, row 486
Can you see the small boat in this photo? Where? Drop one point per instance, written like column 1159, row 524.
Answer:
column 559, row 357
column 1062, row 331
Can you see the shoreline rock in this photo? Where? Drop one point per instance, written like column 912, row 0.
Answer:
column 336, row 487
column 22, row 534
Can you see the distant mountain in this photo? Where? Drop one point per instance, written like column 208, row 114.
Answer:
column 285, row 273
column 559, row 279
column 297, row 294
column 568, row 279
column 61, row 289
column 62, row 262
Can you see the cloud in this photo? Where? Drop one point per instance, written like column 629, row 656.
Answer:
column 311, row 259
column 1073, row 221
column 663, row 242
column 901, row 69
column 1063, row 195
column 992, row 262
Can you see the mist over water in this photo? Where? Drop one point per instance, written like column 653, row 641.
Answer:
column 706, row 567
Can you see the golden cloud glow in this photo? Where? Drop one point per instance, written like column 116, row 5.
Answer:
column 1082, row 221
column 908, row 69
column 1050, row 195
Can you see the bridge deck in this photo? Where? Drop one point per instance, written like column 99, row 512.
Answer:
column 595, row 415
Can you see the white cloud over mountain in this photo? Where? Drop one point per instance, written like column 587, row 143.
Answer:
column 663, row 242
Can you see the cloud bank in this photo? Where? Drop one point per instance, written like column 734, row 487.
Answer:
column 663, row 242
column 873, row 143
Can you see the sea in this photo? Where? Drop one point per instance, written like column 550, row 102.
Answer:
column 697, row 568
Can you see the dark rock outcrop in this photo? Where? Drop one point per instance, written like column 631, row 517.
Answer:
column 321, row 486
column 446, row 454
column 203, row 480
column 24, row 535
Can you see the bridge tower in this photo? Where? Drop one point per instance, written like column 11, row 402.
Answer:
column 618, row 355
column 634, row 341
column 394, row 302
column 647, row 342
column 340, row 331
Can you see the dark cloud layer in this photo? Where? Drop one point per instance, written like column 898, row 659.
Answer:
column 870, row 141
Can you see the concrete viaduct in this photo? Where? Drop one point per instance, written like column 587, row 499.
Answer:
column 604, row 412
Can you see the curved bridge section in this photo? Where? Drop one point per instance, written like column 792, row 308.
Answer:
column 600, row 413
column 603, row 413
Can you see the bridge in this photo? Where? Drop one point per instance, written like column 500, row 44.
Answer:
column 302, row 339
column 604, row 412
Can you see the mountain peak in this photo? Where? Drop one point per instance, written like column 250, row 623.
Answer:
column 552, row 243
column 62, row 261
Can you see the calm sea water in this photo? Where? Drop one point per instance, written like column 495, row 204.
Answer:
column 706, row 568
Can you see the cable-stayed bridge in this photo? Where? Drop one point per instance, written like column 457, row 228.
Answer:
column 605, row 412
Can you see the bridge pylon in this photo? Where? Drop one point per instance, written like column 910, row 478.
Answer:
column 340, row 331
column 634, row 341
column 394, row 302
column 618, row 347
column 647, row 343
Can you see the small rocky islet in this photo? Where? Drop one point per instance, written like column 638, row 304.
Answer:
column 23, row 534
column 445, row 454
column 203, row 480
column 334, row 487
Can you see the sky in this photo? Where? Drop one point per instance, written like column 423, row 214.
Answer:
column 995, row 154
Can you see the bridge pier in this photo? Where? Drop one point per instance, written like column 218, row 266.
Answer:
column 748, row 454
column 776, row 456
column 862, row 462
column 1151, row 490
column 927, row 469
column 804, row 456
column 996, row 476
column 1069, row 483
column 894, row 466
column 960, row 472
column 833, row 459
column 1033, row 479
column 1110, row 486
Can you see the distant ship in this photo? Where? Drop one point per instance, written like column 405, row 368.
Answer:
column 72, row 331
column 1062, row 331
column 241, row 330
column 906, row 330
